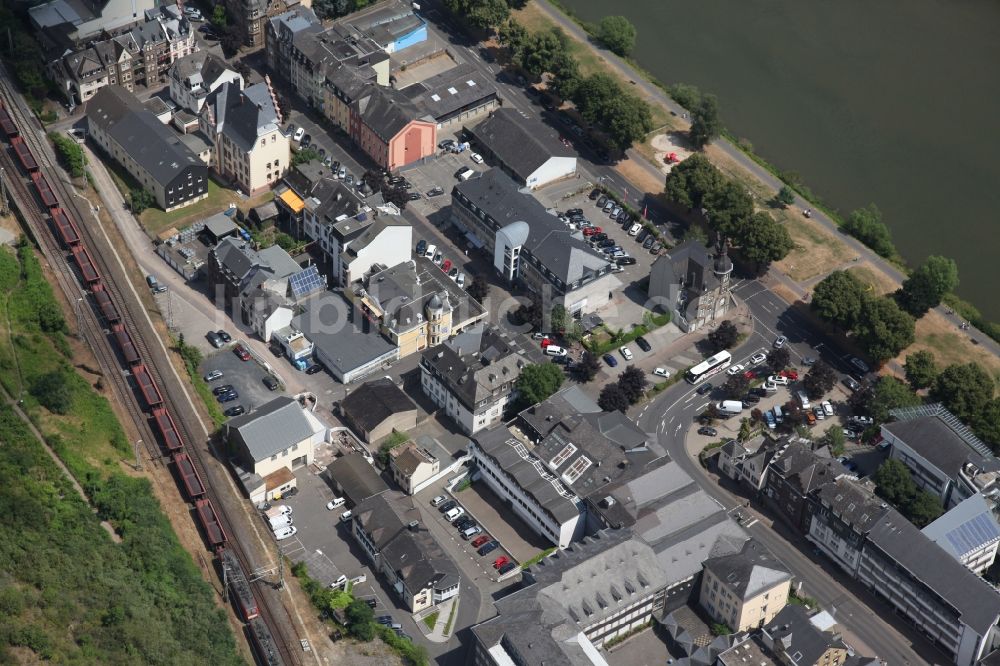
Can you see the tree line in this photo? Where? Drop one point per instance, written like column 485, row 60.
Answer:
column 698, row 186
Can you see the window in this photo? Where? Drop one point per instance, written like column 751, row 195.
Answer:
column 263, row 142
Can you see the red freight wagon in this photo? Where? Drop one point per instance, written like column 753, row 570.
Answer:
column 241, row 588
column 189, row 475
column 107, row 308
column 147, row 386
column 86, row 265
column 263, row 643
column 210, row 523
column 44, row 191
column 125, row 345
column 67, row 229
column 165, row 424
column 24, row 155
column 7, row 123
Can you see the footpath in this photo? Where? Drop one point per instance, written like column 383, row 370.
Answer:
column 627, row 72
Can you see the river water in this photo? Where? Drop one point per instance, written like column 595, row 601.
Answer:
column 895, row 102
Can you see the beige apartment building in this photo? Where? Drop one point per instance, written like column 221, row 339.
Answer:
column 745, row 590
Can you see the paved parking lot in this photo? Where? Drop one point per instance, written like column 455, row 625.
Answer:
column 518, row 539
column 245, row 376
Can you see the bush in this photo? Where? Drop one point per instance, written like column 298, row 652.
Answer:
column 70, row 153
column 52, row 390
column 140, row 199
column 617, row 34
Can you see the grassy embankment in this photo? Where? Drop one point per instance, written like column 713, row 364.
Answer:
column 68, row 592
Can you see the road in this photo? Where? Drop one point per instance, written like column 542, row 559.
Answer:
column 757, row 171
column 671, row 416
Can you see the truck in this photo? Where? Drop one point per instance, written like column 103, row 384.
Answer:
column 278, row 522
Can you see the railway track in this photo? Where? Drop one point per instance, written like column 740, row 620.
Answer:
column 273, row 642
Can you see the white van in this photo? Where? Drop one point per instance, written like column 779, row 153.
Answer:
column 778, row 415
column 803, row 399
column 466, row 174
column 335, row 503
column 280, row 521
column 730, row 407
column 553, row 350
column 453, row 515
column 431, row 251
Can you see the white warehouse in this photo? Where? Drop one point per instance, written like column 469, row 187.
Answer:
column 527, row 150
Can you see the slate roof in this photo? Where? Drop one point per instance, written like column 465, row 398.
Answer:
column 385, row 111
column 543, row 622
column 792, row 629
column 451, row 91
column 968, row 527
column 475, row 364
column 357, row 477
column 524, row 145
column 273, row 427
column 549, row 240
column 347, row 345
column 806, row 469
column 413, row 553
column 853, row 504
column 157, row 149
column 244, row 116
column 750, row 572
column 937, row 435
column 373, row 402
column 690, row 262
column 408, row 457
column 975, row 600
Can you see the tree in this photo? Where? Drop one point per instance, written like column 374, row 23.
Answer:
column 838, row 299
column 331, row 9
column 819, row 380
column 479, row 288
column 617, row 34
column 966, row 390
column 893, row 482
column 762, row 239
column 511, row 35
column 685, row 94
column 231, row 39
column 928, row 284
column 628, row 121
column 888, row 393
column 589, row 366
column 531, row 312
column 558, row 319
column 692, row 181
column 779, row 359
column 785, row 196
column 53, row 391
column 922, row 508
column 723, row 337
column 360, row 620
column 884, row 329
column 304, row 155
column 480, row 14
column 140, row 199
column 70, row 153
column 613, row 398
column 834, row 438
column 866, row 225
column 920, row 369
column 538, row 381
column 705, row 122
column 736, row 386
column 633, row 383
column 746, row 430
column 728, row 207
column 219, row 18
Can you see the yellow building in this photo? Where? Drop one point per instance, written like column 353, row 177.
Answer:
column 745, row 590
column 417, row 306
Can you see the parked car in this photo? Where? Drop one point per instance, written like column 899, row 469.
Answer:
column 704, row 388
column 648, row 243
column 285, row 532
column 780, row 341
column 413, row 196
column 608, row 205
column 661, row 372
column 625, row 260
column 215, row 340
column 603, row 199
column 306, row 141
column 758, row 358
column 240, row 351
column 447, row 506
column 615, row 212
column 225, row 388
column 657, row 246
column 827, row 407
column 346, row 516
column 778, row 380
column 735, row 369
column 212, row 376
column 421, row 248
column 625, row 352
column 446, row 265
column 594, row 193
column 313, row 369
column 852, row 383
column 435, row 192
column 439, row 500
column 643, row 344
column 708, row 431
column 507, row 568
column 235, row 411
column 860, row 365
column 271, row 383
column 228, row 397
column 488, row 548
column 225, row 337
column 438, row 258
column 751, row 398
column 500, row 561
column 384, row 619
column 472, row 531
column 818, row 411
column 299, row 133
column 476, row 157
column 446, row 143
column 335, row 503
column 453, row 273
column 808, row 361
column 634, row 229
column 610, row 360
column 480, row 540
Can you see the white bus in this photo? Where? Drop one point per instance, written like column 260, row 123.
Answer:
column 709, row 367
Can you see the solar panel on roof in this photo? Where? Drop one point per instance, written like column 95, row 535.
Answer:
column 306, row 282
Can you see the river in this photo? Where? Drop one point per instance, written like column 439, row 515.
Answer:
column 887, row 101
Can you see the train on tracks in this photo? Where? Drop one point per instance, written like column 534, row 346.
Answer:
column 67, row 232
